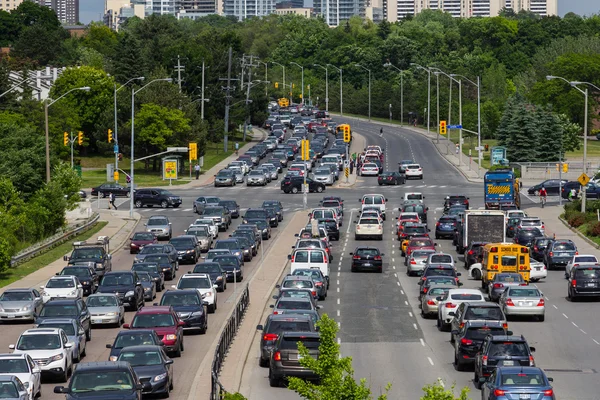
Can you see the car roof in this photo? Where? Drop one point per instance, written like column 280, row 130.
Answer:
column 288, row 317
column 467, row 291
column 301, row 334
column 158, row 216
column 136, row 332
column 180, row 291
column 508, row 338
column 194, row 275
column 481, row 303
column 58, row 321
column 518, row 370
column 19, row 290
column 141, row 347
column 61, row 301
column 154, row 310
column 13, row 355
column 103, row 365
column 297, row 277
column 478, row 324
column 37, row 331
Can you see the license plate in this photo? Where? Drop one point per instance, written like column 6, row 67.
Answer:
column 564, row 255
column 10, row 316
column 538, row 268
column 96, row 321
column 180, row 257
column 524, row 397
column 508, row 363
column 367, row 264
column 591, row 285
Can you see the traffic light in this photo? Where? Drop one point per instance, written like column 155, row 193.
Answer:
column 276, row 85
column 347, row 136
column 80, row 138
column 110, row 137
column 293, row 86
column 305, row 150
column 442, row 127
column 66, row 138
column 565, row 167
column 300, row 95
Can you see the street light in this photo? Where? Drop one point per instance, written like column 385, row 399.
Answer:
column 341, row 88
column 437, row 72
column 428, row 95
column 326, row 85
column 266, row 78
column 452, row 79
column 302, row 69
column 478, row 85
column 283, row 67
column 48, row 103
column 133, row 93
column 387, row 65
column 116, row 134
column 367, row 69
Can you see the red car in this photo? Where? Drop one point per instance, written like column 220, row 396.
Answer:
column 165, row 322
column 419, row 243
column 141, row 239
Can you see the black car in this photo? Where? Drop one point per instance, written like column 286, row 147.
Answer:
column 525, row 237
column 107, row 188
column 502, row 351
column 94, row 255
column 135, row 337
column 538, row 247
column 155, row 197
column 391, row 178
column 218, row 276
column 272, row 216
column 263, row 226
column 231, row 265
column 87, row 277
column 155, row 272
column 552, row 187
column 100, row 380
column 250, row 236
column 274, row 326
column 71, row 308
column 511, row 226
column 566, row 189
column 450, row 201
column 152, row 365
column 246, row 244
column 255, row 213
column 286, row 348
column 232, row 206
column 331, row 226
column 445, row 227
column 165, row 264
column 293, row 184
column 187, row 248
column 559, row 252
column 366, row 257
column 150, row 249
column 584, row 281
column 470, row 337
column 189, row 306
column 126, row 285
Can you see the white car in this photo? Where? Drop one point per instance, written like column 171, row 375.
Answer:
column 440, row 258
column 242, row 165
column 62, row 287
column 532, row 222
column 448, row 304
column 213, row 228
column 579, row 260
column 413, row 171
column 538, row 270
column 203, row 284
column 374, row 200
column 413, row 197
column 369, row 169
column 515, row 214
column 49, row 348
column 368, row 227
column 324, row 175
column 308, row 258
column 23, row 367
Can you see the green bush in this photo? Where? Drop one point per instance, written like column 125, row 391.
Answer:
column 593, row 229
column 576, row 220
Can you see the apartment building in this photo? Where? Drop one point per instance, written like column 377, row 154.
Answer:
column 336, row 12
column 243, row 9
column 67, row 11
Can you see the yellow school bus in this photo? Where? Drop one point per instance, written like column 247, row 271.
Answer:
column 283, row 102
column 504, row 257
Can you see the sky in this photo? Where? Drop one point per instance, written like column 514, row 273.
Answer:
column 91, row 10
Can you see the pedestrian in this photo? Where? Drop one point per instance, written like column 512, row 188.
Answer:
column 415, row 122
column 358, row 165
column 351, row 166
column 111, row 200
column 237, row 147
column 573, row 194
column 381, row 131
column 197, row 169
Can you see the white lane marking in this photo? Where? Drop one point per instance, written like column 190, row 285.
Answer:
column 547, row 298
column 339, row 273
column 398, row 283
column 395, row 274
column 338, row 313
column 393, row 266
column 405, row 302
column 595, row 341
column 574, row 324
column 338, row 281
column 565, row 315
column 339, row 324
column 422, row 342
column 416, row 328
column 340, row 264
column 402, row 291
column 553, row 305
column 338, row 290
column 393, row 251
column 430, row 360
column 187, row 209
column 441, row 382
column 349, row 224
column 393, row 260
column 338, row 301
column 410, row 314
column 582, row 331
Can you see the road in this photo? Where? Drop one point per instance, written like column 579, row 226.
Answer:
column 379, row 316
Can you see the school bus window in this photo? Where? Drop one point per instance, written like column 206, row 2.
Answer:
column 509, row 261
column 495, row 260
column 522, row 260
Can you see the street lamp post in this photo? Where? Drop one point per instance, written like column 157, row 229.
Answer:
column 302, row 81
column 326, row 85
column 133, row 93
column 48, row 103
column 116, row 130
column 341, row 88
column 266, row 78
column 369, row 71
column 451, row 78
column 428, row 95
column 388, row 64
column 478, row 85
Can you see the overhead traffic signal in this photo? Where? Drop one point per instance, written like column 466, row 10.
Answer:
column 565, row 167
column 443, row 127
column 276, row 85
column 80, row 138
column 347, row 136
column 66, row 138
column 110, row 136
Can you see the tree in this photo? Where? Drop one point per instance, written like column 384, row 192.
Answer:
column 571, row 139
column 336, row 374
column 518, row 131
column 69, row 181
column 39, row 45
column 437, row 392
column 4, row 254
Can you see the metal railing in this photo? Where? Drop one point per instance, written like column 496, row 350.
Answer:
column 50, row 242
column 234, row 322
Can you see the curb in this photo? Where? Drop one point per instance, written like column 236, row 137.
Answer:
column 581, row 235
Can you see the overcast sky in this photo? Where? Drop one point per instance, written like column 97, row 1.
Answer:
column 91, row 10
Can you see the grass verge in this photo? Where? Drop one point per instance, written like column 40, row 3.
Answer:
column 14, row 274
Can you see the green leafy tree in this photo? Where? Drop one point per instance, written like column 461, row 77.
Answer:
column 437, row 392
column 69, row 181
column 571, row 132
column 39, row 45
column 5, row 254
column 336, row 373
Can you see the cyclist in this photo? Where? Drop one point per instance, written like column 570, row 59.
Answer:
column 543, row 195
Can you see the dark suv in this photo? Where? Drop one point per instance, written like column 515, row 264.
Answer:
column 104, row 379
column 275, row 326
column 71, row 308
column 502, row 351
column 86, row 275
column 284, row 356
column 126, row 285
column 476, row 311
column 95, row 255
column 189, row 306
column 559, row 252
column 218, row 275
column 455, row 200
column 155, row 197
column 293, row 184
column 584, row 281
column 538, row 247
column 469, row 339
column 416, row 208
column 188, row 249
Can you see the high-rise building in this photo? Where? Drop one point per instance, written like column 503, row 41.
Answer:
column 243, row 9
column 197, row 6
column 67, row 11
column 336, row 12
column 541, row 7
column 7, row 5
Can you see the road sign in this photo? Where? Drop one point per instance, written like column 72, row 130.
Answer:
column 347, row 171
column 583, row 179
column 116, row 149
column 479, row 148
column 454, row 126
column 170, row 169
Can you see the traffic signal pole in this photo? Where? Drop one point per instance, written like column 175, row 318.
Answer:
column 72, row 144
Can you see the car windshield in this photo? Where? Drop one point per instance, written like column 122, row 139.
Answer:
column 420, row 254
column 14, row 366
column 311, row 273
column 158, row 259
column 194, row 283
column 60, row 283
column 254, row 214
column 78, row 272
column 207, row 268
column 368, row 221
column 288, row 326
column 182, row 243
column 101, row 380
column 215, row 253
column 224, row 174
column 414, row 197
column 564, row 246
column 440, row 280
column 438, row 291
column 152, row 320
column 228, row 203
column 176, row 299
column 16, row 296
column 102, row 301
column 587, row 273
column 144, row 277
column 488, row 313
column 213, row 211
column 67, row 327
column 367, row 252
column 421, row 243
column 479, row 333
column 152, row 250
column 534, row 222
column 59, row 310
column 523, row 379
column 297, row 284
column 8, row 390
column 440, row 271
column 294, row 305
column 288, row 343
column 117, row 280
column 87, row 254
column 198, row 232
column 143, row 236
column 305, row 294
column 441, row 259
column 140, row 358
column 466, row 296
column 518, row 292
column 229, row 245
column 503, row 349
column 415, row 229
column 39, row 342
column 373, row 200
column 150, row 268
column 158, row 221
column 133, row 339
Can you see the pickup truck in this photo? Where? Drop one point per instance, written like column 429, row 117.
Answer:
column 95, row 255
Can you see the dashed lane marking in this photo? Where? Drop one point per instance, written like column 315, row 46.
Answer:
column 430, row 360
column 565, row 315
column 422, row 342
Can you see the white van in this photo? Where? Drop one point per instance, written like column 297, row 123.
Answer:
column 374, row 200
column 325, row 213
column 310, row 258
column 413, row 197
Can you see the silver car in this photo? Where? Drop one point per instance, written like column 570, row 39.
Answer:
column 238, row 173
column 333, row 167
column 415, row 263
column 203, row 235
column 272, row 169
column 324, row 175
column 74, row 331
column 523, row 301
column 160, row 226
column 429, row 301
column 20, row 304
column 256, row 178
column 105, row 308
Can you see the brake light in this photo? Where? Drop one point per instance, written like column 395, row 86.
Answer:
column 430, row 303
column 377, row 258
column 292, row 258
column 573, row 283
column 535, row 248
column 356, row 258
column 498, row 285
column 466, row 342
column 484, row 360
column 576, row 253
column 269, row 337
column 548, row 392
column 461, row 325
column 450, row 305
column 277, row 356
column 499, row 392
column 576, row 265
column 551, row 254
column 425, row 290
column 413, row 261
column 531, row 361
column 319, row 284
column 277, row 312
column 437, row 224
column 466, row 202
column 541, row 303
column 470, row 252
column 510, row 303
column 505, row 325
column 314, row 293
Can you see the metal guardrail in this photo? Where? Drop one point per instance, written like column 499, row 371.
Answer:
column 234, row 322
column 52, row 241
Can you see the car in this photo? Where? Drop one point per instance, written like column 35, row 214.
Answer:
column 150, row 197
column 188, row 248
column 276, row 204
column 249, row 240
column 369, row 169
column 232, row 206
column 299, row 282
column 538, row 247
column 375, row 200
column 331, row 226
column 263, row 226
column 439, row 280
column 160, row 226
column 148, row 285
column 135, row 337
column 141, row 239
column 220, row 215
column 415, row 263
column 166, row 323
column 413, row 197
column 11, row 387
column 25, row 369
column 526, row 236
column 476, row 310
column 531, row 222
column 422, row 243
column 50, row 350
column 203, row 285
column 107, row 188
column 189, row 306
column 580, row 260
column 324, row 175
column 450, row 201
column 272, row 217
column 203, row 236
column 165, row 263
column 325, row 213
column 515, row 382
column 418, row 208
column 202, row 202
column 538, row 270
column 225, row 177
column 210, row 223
column 158, row 249
column 439, row 258
column 366, row 257
column 559, row 252
column 523, row 301
column 217, row 274
column 88, row 278
column 234, row 245
column 211, row 254
column 126, row 285
column 62, row 287
column 238, row 173
column 72, row 308
column 410, row 230
column 368, row 227
column 151, row 364
column 20, row 304
column 155, row 272
column 91, row 254
column 445, row 226
column 413, row 171
column 317, row 277
column 75, row 334
column 276, row 325
column 293, row 184
column 105, row 309
column 104, row 380
column 429, row 301
column 511, row 226
column 499, row 351
column 256, row 178
column 469, row 338
column 501, row 282
column 286, row 348
column 391, row 178
column 449, row 303
column 474, row 254
column 552, row 187
column 583, row 281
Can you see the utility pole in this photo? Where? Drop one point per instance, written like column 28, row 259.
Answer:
column 248, row 96
column 179, row 68
column 227, row 101
column 202, row 93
